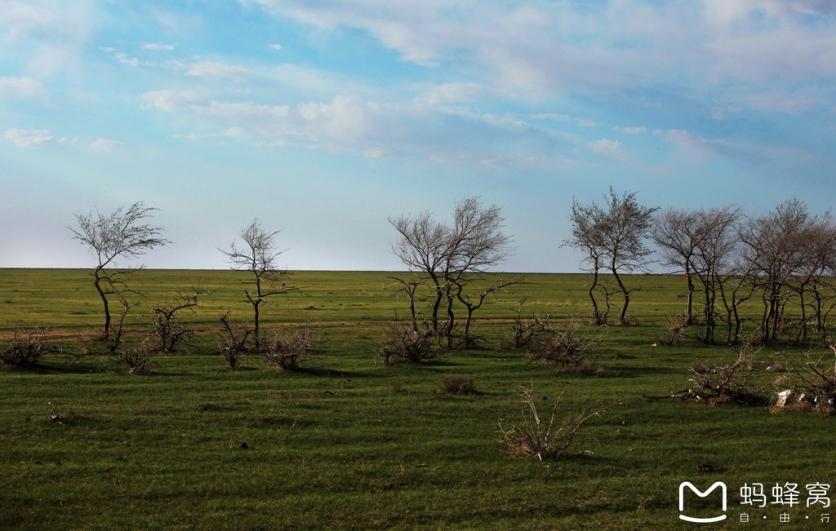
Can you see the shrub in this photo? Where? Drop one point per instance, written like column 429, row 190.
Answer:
column 284, row 353
column 718, row 384
column 675, row 330
column 813, row 389
column 534, row 436
column 525, row 329
column 562, row 348
column 232, row 342
column 402, row 343
column 458, row 384
column 136, row 357
column 26, row 348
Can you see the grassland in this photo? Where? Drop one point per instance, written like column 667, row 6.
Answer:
column 347, row 443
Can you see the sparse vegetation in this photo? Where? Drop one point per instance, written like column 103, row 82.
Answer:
column 403, row 344
column 538, row 436
column 458, row 384
column 726, row 383
column 25, row 348
column 233, row 342
column 286, row 351
column 562, row 348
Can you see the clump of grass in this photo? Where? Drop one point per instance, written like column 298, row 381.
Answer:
column 285, row 352
column 534, row 436
column 26, row 348
column 403, row 344
column 458, row 384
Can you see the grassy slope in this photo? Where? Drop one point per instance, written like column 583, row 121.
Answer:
column 350, row 443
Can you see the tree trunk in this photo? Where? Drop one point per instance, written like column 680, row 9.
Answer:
column 622, row 318
column 596, row 314
column 256, row 320
column 437, row 304
column 451, row 320
column 690, row 279
column 105, row 304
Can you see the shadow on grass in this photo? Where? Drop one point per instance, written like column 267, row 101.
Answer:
column 49, row 368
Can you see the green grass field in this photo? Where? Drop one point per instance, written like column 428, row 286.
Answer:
column 348, row 443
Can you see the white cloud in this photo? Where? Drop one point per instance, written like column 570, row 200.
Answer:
column 168, row 100
column 217, row 70
column 606, row 147
column 158, row 46
column 275, row 46
column 634, row 130
column 545, row 50
column 25, row 138
column 20, row 87
column 104, row 145
column 450, row 92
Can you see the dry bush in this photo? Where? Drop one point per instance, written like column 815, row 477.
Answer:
column 813, row 389
column 458, row 384
column 285, row 352
column 534, row 436
column 676, row 327
column 167, row 329
column 136, row 357
column 527, row 329
column 232, row 342
column 719, row 384
column 402, row 343
column 26, row 348
column 562, row 348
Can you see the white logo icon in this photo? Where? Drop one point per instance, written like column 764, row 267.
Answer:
column 702, row 494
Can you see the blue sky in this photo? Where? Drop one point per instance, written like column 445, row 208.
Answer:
column 322, row 118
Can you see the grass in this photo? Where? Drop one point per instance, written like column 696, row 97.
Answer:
column 347, row 443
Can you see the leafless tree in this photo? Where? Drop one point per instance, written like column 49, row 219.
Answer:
column 677, row 234
column 623, row 224
column 169, row 333
column 449, row 257
column 476, row 244
column 123, row 233
column 586, row 236
column 712, row 257
column 409, row 287
column 772, row 254
column 423, row 247
column 472, row 304
column 257, row 254
column 817, row 248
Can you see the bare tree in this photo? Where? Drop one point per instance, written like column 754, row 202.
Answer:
column 449, row 257
column 624, row 225
column 817, row 248
column 772, row 255
column 257, row 254
column 476, row 244
column 423, row 247
column 122, row 233
column 677, row 233
column 472, row 304
column 712, row 256
column 586, row 236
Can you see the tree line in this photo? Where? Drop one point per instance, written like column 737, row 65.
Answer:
column 786, row 257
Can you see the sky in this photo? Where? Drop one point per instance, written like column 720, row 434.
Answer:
column 324, row 118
